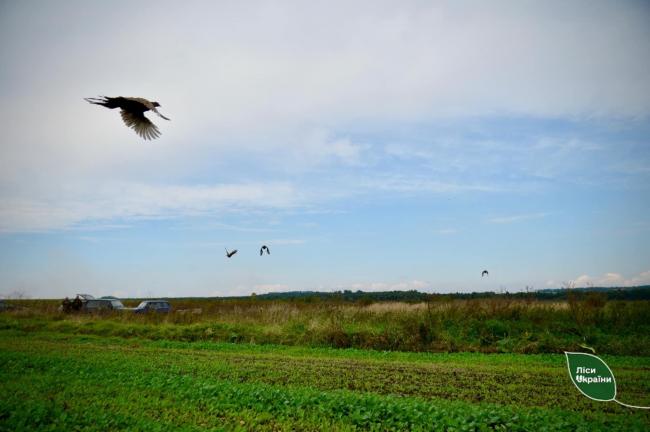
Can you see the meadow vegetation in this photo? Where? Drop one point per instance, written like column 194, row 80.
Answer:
column 56, row 381
column 442, row 364
column 493, row 325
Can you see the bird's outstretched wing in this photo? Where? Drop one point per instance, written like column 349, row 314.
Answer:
column 139, row 123
column 268, row 251
column 148, row 105
column 262, row 251
column 135, row 101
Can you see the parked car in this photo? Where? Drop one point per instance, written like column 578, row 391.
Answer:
column 115, row 302
column 97, row 305
column 88, row 303
column 153, row 306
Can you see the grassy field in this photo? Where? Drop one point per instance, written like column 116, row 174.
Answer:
column 497, row 325
column 55, row 381
column 183, row 371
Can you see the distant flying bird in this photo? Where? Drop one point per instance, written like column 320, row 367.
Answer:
column 484, row 273
column 265, row 248
column 132, row 111
column 230, row 254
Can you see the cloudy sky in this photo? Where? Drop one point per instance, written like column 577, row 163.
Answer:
column 371, row 145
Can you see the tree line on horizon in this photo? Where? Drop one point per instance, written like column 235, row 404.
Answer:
column 609, row 293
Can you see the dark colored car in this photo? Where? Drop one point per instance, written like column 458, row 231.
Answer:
column 153, row 306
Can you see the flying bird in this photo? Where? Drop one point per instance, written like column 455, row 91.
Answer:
column 230, row 254
column 265, row 248
column 132, row 111
column 484, row 273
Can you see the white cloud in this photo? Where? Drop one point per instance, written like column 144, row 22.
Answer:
column 275, row 84
column 516, row 218
column 582, row 280
column 612, row 279
column 269, row 288
column 642, row 278
column 243, row 69
column 415, row 183
column 283, row 106
column 386, row 286
column 319, row 147
column 140, row 201
column 408, row 151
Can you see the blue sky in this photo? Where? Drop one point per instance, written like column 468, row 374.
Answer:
column 371, row 145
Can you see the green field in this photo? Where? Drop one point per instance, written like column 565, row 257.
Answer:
column 61, row 382
column 183, row 372
column 498, row 325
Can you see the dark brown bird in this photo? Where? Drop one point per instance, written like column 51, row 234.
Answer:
column 265, row 248
column 132, row 111
column 230, row 254
column 484, row 273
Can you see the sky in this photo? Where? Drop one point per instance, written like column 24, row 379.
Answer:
column 371, row 145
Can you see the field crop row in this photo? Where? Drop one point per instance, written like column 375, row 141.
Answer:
column 58, row 382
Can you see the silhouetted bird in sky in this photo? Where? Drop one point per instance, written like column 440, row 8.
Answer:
column 230, row 254
column 132, row 111
column 265, row 248
column 484, row 273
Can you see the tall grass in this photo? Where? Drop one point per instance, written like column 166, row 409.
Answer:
column 496, row 324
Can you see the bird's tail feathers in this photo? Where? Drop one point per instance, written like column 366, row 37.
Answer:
column 101, row 100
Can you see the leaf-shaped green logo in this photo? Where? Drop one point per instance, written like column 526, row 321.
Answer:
column 591, row 375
